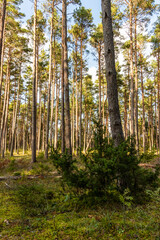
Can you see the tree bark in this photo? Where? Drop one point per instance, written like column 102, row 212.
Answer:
column 66, row 82
column 131, row 67
column 34, row 103
column 2, row 27
column 49, row 84
column 136, row 87
column 15, row 116
column 112, row 92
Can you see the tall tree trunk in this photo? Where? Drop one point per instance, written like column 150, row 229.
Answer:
column 136, row 87
column 44, row 122
column 143, row 108
column 40, row 119
column 53, row 90
column 4, row 129
column 15, row 116
column 5, row 110
column 80, row 109
column 73, row 115
column 24, row 135
column 49, row 84
column 77, row 117
column 66, row 82
column 62, row 81
column 125, row 110
column 99, row 77
column 56, row 115
column 34, row 103
column 2, row 26
column 112, row 92
column 158, row 80
column 131, row 66
column 1, row 66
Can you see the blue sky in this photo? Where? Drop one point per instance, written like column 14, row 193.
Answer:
column 27, row 8
column 95, row 5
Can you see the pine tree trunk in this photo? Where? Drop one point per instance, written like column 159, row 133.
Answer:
column 131, row 67
column 77, row 117
column 73, row 115
column 56, row 115
column 143, row 108
column 49, row 84
column 136, row 87
column 66, row 83
column 158, row 80
column 112, row 92
column 125, row 111
column 53, row 89
column 40, row 119
column 15, row 115
column 99, row 77
column 24, row 135
column 44, row 123
column 62, row 81
column 2, row 27
column 80, row 109
column 1, row 67
column 4, row 129
column 34, row 103
column 5, row 110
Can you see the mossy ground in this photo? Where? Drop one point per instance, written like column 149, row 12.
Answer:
column 44, row 209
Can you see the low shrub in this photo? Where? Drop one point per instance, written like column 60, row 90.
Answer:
column 105, row 169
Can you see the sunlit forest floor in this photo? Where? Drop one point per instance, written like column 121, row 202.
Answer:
column 43, row 208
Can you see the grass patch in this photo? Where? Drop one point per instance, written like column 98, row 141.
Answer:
column 42, row 209
column 45, row 209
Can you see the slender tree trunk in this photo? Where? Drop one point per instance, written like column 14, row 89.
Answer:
column 158, row 80
column 136, row 87
column 4, row 129
column 2, row 27
column 5, row 110
column 40, row 119
column 44, row 124
column 113, row 105
column 76, row 99
column 62, row 81
column 143, row 108
column 24, row 135
column 66, row 83
column 15, row 116
column 125, row 110
column 73, row 115
column 1, row 66
column 131, row 67
column 53, row 92
column 80, row 112
column 103, row 122
column 99, row 77
column 56, row 115
column 34, row 104
column 49, row 84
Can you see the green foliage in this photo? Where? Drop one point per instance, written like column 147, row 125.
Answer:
column 106, row 169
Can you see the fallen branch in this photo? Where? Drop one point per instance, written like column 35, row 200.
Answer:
column 54, row 174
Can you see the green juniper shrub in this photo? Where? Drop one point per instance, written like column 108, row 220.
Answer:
column 105, row 169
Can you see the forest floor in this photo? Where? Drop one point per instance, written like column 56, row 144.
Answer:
column 41, row 208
